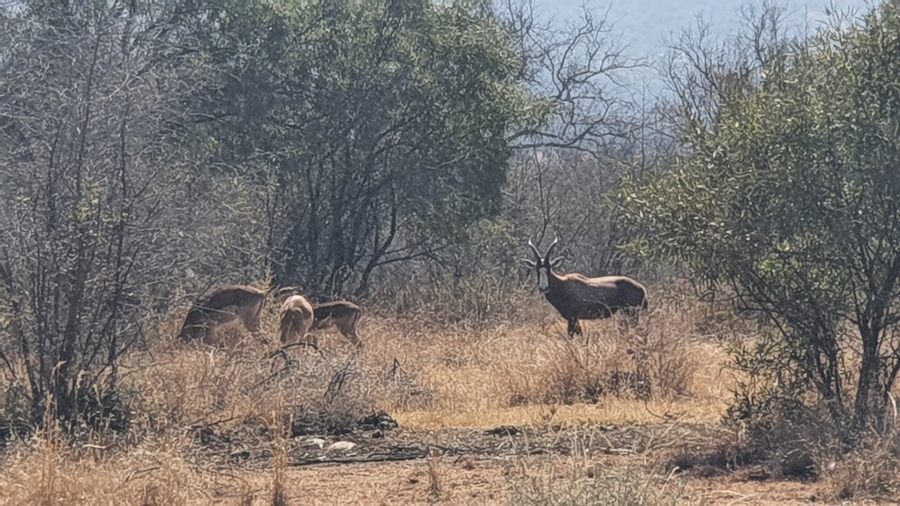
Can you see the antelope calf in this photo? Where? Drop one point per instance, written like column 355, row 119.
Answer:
column 226, row 307
column 296, row 318
column 577, row 297
column 340, row 314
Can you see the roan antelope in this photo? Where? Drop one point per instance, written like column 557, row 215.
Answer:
column 577, row 297
column 225, row 307
column 341, row 314
column 296, row 318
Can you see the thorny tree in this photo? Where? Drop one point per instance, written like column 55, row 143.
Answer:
column 87, row 93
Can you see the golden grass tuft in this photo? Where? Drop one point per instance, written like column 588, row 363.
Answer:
column 577, row 480
column 45, row 471
column 870, row 471
column 514, row 374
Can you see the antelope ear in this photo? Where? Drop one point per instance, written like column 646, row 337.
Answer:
column 530, row 263
column 555, row 263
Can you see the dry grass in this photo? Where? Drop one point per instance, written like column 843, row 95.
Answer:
column 531, row 374
column 46, row 471
column 474, row 373
column 872, row 470
column 425, row 374
column 575, row 481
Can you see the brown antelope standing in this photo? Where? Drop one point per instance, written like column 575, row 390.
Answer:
column 296, row 318
column 341, row 314
column 577, row 297
column 228, row 306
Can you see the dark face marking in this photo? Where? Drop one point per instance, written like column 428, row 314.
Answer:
column 542, row 265
column 543, row 279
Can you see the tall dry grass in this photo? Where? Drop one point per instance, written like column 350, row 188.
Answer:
column 425, row 371
column 573, row 481
column 428, row 370
column 870, row 471
column 512, row 371
column 432, row 374
column 581, row 478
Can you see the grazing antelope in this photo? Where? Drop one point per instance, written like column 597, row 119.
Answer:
column 577, row 297
column 296, row 318
column 341, row 314
column 227, row 306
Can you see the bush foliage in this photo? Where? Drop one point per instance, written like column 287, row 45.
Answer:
column 789, row 199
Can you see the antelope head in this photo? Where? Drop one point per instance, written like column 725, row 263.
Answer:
column 542, row 265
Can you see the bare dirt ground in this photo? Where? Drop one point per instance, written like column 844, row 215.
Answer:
column 482, row 466
column 485, row 481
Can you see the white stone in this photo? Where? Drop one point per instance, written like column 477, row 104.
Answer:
column 341, row 446
column 315, row 442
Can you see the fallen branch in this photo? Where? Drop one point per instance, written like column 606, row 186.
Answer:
column 308, row 344
column 493, row 451
column 289, row 363
column 382, row 457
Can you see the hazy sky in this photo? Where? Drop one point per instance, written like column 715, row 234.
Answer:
column 642, row 24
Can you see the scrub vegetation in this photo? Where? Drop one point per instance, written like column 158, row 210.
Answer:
column 401, row 155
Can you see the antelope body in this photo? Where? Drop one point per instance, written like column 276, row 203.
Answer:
column 228, row 306
column 296, row 318
column 341, row 314
column 577, row 297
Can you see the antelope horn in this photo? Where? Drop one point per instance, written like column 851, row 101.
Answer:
column 287, row 291
column 537, row 254
column 550, row 249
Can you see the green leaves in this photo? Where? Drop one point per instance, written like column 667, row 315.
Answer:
column 379, row 123
column 791, row 199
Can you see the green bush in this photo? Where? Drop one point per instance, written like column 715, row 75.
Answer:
column 789, row 199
